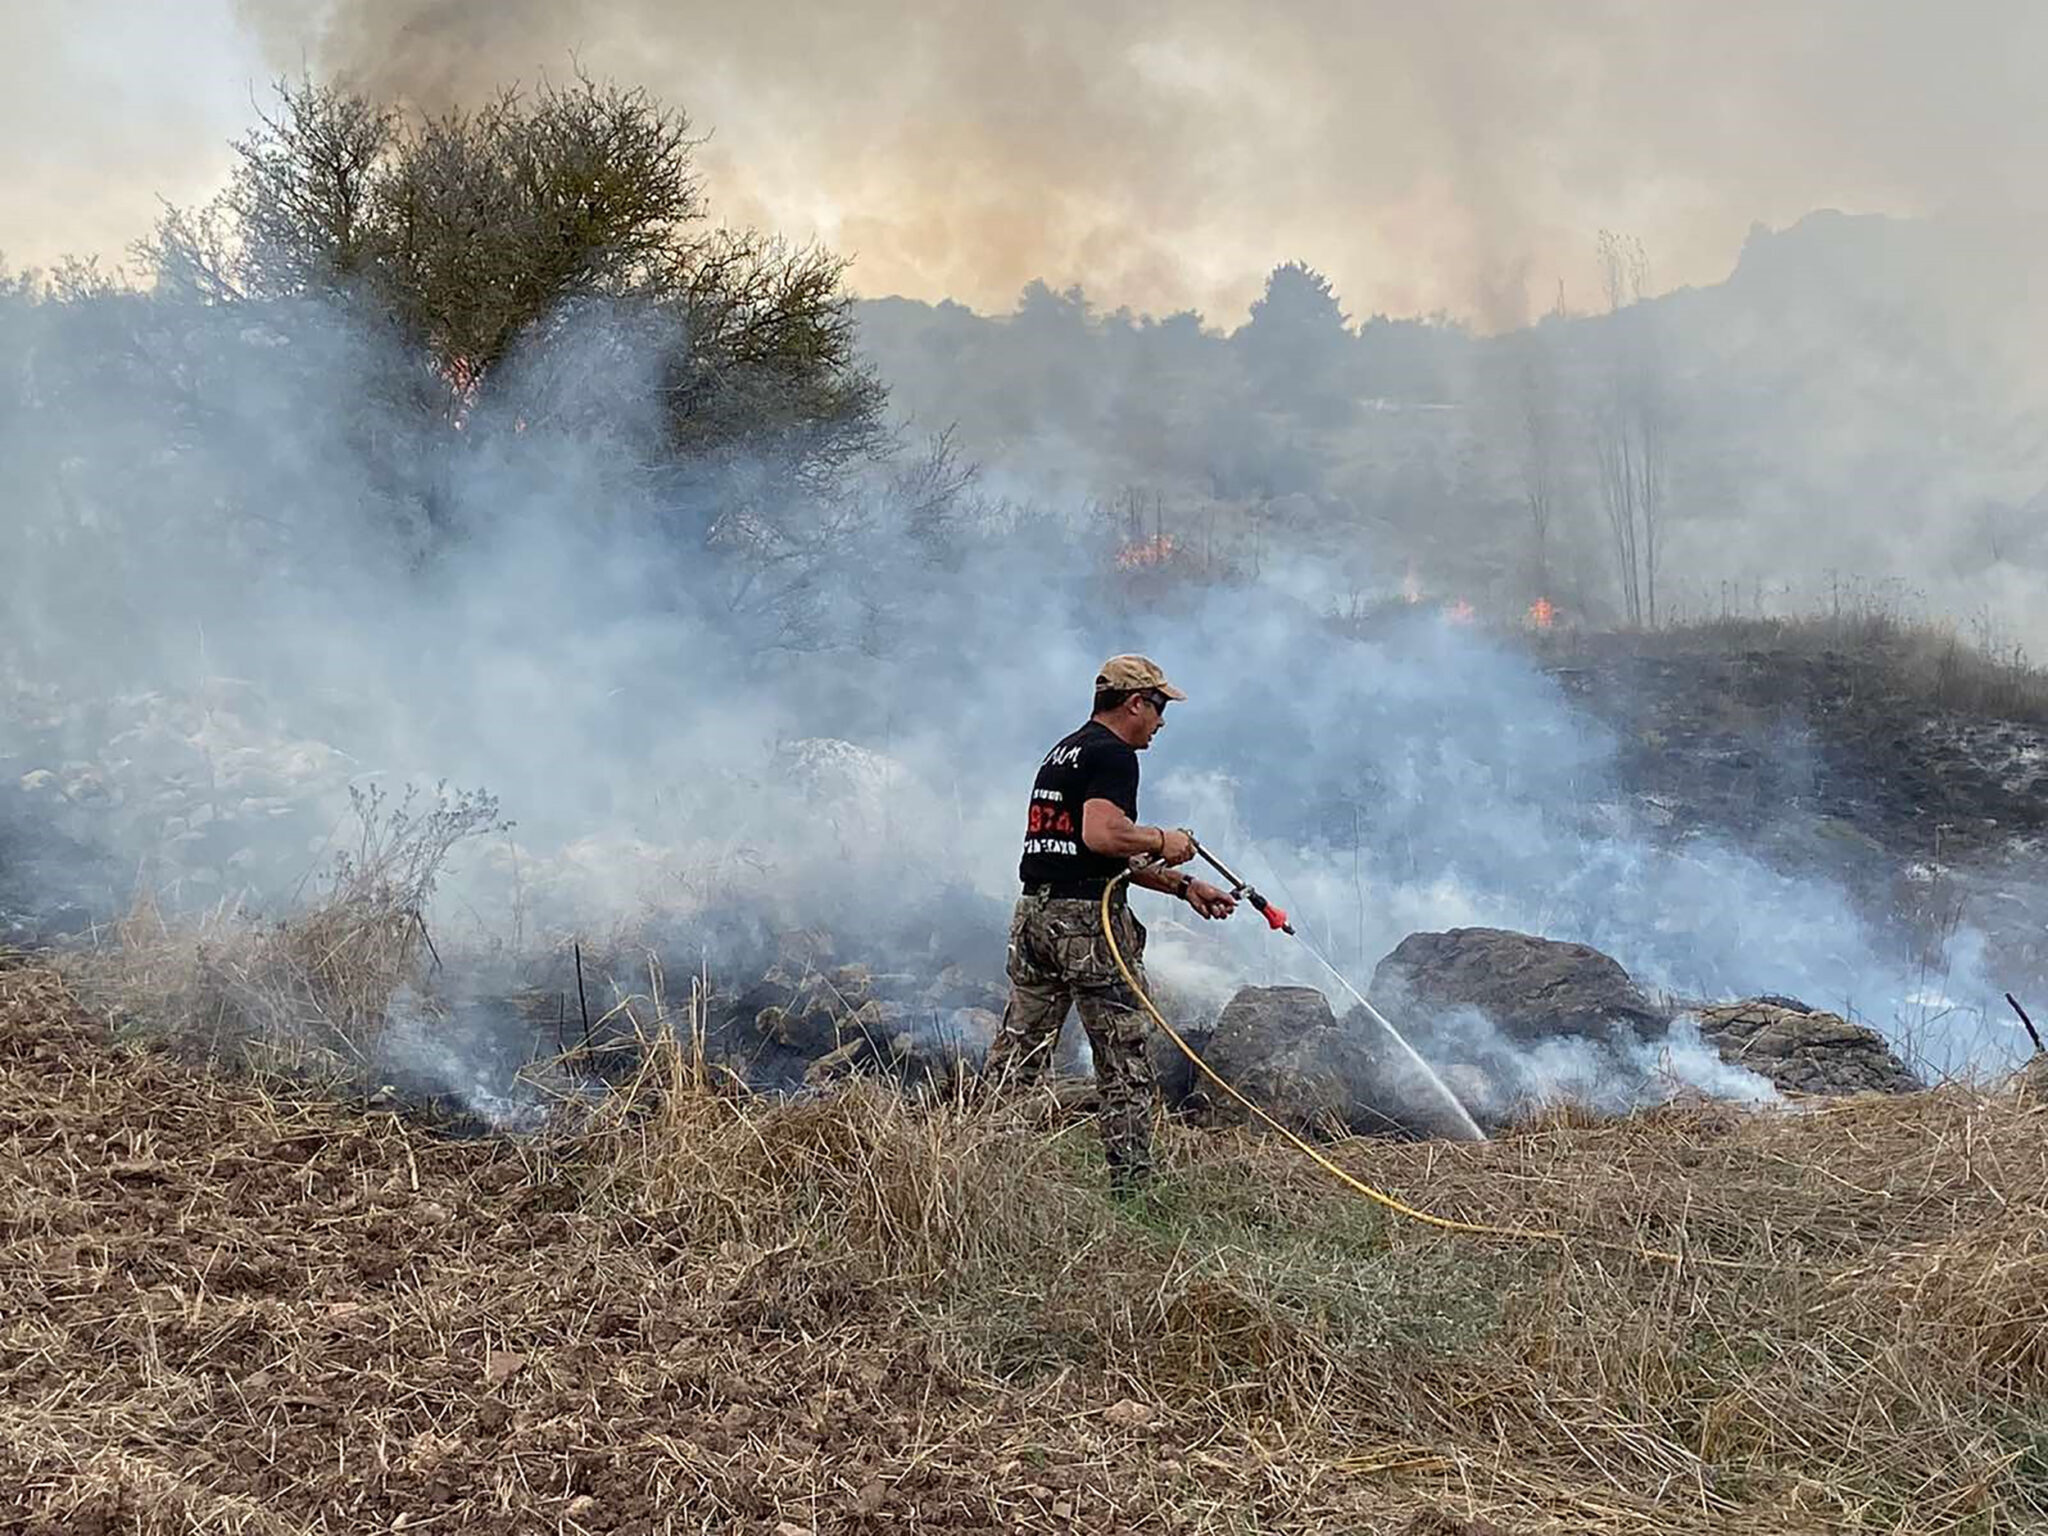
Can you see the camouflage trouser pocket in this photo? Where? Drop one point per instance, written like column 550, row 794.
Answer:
column 1067, row 933
column 1025, row 965
column 1059, row 960
column 1111, row 1016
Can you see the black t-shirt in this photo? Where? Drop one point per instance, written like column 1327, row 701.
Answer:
column 1094, row 763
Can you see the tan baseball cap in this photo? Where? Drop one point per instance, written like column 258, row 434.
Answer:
column 1134, row 674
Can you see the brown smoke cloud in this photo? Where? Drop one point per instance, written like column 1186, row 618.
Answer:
column 1165, row 153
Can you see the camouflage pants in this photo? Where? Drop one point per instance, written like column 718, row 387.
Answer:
column 1059, row 958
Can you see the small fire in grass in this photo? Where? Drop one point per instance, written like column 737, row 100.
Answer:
column 1156, row 550
column 1542, row 614
column 1459, row 612
column 462, row 376
column 1411, row 588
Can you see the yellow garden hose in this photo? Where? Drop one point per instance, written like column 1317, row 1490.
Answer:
column 1349, row 1180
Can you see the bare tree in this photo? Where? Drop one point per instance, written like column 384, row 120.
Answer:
column 1630, row 430
column 1541, row 455
column 933, row 493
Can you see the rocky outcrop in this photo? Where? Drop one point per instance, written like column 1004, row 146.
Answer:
column 1288, row 1053
column 1536, row 990
column 1531, row 989
column 1803, row 1050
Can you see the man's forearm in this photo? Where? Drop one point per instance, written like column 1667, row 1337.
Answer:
column 1131, row 840
column 1172, row 882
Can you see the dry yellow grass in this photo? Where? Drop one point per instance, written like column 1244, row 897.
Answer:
column 305, row 998
column 239, row 1309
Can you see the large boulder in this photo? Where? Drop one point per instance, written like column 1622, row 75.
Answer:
column 1530, row 989
column 1288, row 1053
column 1172, row 1072
column 1803, row 1050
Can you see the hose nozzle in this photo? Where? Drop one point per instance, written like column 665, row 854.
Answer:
column 1276, row 917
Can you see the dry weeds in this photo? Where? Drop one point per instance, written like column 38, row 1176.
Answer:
column 1924, row 665
column 233, row 1309
column 305, row 998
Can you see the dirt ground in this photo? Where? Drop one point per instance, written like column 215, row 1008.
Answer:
column 228, row 1312
column 232, row 1308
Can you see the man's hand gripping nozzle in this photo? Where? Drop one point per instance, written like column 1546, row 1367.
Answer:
column 1276, row 917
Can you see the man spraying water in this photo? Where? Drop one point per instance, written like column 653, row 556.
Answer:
column 1081, row 833
column 1069, row 947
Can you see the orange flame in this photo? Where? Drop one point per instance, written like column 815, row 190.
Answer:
column 1542, row 614
column 1459, row 612
column 463, row 376
column 1156, row 550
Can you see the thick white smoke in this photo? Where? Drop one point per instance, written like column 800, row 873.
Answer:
column 530, row 602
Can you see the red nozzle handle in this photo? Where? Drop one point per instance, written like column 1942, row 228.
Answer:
column 1276, row 917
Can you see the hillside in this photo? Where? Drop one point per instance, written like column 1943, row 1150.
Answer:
column 1858, row 397
column 1894, row 759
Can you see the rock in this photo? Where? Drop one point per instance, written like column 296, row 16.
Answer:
column 1805, row 1050
column 500, row 1366
column 843, row 1062
column 1285, row 1051
column 1441, row 1522
column 84, row 784
column 1530, row 988
column 1174, row 1074
column 1780, row 1000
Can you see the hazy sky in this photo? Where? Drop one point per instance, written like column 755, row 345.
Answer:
column 1164, row 153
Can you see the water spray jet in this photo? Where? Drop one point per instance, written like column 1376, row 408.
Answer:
column 1277, row 919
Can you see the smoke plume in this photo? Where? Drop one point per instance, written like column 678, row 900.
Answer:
column 248, row 576
column 220, row 608
column 1163, row 155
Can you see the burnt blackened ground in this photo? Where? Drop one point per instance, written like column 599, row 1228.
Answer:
column 1756, row 742
column 1882, row 762
column 1837, row 761
column 52, row 884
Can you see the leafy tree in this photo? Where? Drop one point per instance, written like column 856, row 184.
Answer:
column 1297, row 347
column 469, row 231
column 1298, row 304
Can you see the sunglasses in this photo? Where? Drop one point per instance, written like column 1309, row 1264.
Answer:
column 1156, row 699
